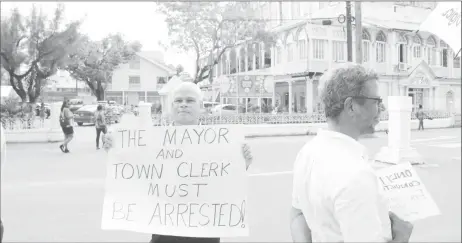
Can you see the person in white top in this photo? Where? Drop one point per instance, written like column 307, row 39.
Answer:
column 336, row 196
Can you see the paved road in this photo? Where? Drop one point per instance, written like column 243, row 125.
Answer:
column 48, row 196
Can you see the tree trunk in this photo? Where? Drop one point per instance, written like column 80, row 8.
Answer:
column 99, row 93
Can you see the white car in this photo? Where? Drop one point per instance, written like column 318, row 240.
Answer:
column 225, row 110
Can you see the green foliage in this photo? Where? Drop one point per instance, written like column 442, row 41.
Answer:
column 95, row 61
column 210, row 28
column 34, row 47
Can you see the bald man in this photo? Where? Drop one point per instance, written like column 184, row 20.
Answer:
column 187, row 98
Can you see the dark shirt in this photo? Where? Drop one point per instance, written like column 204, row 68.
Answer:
column 179, row 239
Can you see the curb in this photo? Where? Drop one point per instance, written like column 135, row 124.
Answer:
column 283, row 135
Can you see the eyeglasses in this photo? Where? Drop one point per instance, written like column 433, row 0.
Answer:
column 378, row 99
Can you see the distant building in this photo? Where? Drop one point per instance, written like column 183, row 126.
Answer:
column 140, row 79
column 311, row 38
column 7, row 92
column 62, row 86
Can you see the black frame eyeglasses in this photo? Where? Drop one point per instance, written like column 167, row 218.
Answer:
column 378, row 99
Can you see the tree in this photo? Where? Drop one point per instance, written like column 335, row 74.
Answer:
column 34, row 47
column 95, row 61
column 210, row 28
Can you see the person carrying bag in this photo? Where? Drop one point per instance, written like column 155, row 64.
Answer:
column 100, row 124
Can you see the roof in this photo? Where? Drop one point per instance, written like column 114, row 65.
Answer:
column 157, row 59
column 423, row 65
column 405, row 18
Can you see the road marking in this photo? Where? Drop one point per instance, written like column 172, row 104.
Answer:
column 271, row 173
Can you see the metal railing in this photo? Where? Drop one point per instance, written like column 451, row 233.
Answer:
column 267, row 118
column 24, row 123
column 18, row 123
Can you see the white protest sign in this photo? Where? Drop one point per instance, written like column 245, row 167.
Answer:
column 177, row 180
column 406, row 193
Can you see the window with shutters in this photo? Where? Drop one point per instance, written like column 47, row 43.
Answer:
column 319, row 49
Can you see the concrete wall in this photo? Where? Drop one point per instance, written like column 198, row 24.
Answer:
column 34, row 136
column 304, row 129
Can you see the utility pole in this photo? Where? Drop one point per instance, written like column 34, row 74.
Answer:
column 349, row 37
column 359, row 33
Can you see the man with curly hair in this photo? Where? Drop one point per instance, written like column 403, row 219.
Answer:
column 336, row 196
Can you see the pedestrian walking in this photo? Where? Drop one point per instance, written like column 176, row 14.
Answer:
column 65, row 120
column 420, row 115
column 185, row 111
column 336, row 196
column 42, row 114
column 100, row 124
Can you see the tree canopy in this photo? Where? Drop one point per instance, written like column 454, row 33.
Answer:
column 95, row 61
column 34, row 47
column 210, row 28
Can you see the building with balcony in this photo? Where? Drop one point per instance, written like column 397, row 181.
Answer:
column 311, row 38
column 140, row 79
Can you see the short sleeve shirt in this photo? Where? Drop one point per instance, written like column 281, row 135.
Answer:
column 338, row 192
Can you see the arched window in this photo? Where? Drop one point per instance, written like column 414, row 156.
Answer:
column 402, row 48
column 431, row 51
column 402, row 38
column 444, row 53
column 417, row 46
column 366, row 45
column 380, row 41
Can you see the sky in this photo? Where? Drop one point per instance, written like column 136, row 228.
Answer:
column 135, row 20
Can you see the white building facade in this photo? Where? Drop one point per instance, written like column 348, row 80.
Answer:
column 311, row 38
column 140, row 79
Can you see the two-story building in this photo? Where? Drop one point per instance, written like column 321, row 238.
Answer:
column 311, row 38
column 140, row 79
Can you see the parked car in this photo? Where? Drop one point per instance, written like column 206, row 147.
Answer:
column 225, row 110
column 75, row 104
column 208, row 106
column 86, row 114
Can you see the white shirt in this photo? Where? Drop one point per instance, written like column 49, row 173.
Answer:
column 338, row 192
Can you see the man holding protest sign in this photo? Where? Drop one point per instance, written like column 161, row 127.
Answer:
column 336, row 195
column 186, row 112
